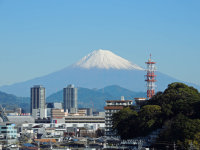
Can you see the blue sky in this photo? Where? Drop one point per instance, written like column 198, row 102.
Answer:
column 40, row 37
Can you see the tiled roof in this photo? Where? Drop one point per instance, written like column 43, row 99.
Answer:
column 45, row 140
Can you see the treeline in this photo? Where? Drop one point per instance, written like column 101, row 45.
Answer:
column 176, row 111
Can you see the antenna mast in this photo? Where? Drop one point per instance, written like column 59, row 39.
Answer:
column 150, row 78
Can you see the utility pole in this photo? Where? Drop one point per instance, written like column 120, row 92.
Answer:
column 174, row 146
column 51, row 147
column 38, row 145
column 191, row 146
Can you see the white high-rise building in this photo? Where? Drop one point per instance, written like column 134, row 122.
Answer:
column 38, row 103
column 113, row 106
column 70, row 99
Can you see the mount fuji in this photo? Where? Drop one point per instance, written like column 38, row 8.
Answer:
column 104, row 59
column 98, row 69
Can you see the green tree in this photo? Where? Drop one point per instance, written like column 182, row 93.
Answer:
column 176, row 110
column 149, row 118
column 122, row 120
column 129, row 124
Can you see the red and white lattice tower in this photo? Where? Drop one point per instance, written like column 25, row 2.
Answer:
column 150, row 78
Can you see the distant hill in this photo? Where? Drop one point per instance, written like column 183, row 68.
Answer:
column 10, row 101
column 95, row 98
column 116, row 92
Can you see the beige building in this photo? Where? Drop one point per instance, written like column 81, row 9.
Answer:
column 58, row 115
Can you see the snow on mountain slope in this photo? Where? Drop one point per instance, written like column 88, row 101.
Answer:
column 105, row 59
column 99, row 69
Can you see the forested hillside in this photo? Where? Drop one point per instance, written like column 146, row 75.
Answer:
column 176, row 111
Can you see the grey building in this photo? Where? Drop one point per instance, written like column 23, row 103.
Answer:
column 38, row 103
column 88, row 111
column 70, row 99
column 52, row 106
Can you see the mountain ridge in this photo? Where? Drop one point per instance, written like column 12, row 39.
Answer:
column 96, row 97
column 10, row 101
column 93, row 98
column 132, row 79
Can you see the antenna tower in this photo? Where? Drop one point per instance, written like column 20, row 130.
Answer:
column 150, row 78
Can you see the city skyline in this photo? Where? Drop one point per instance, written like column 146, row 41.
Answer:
column 38, row 38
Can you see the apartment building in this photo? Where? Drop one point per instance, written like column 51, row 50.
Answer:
column 113, row 106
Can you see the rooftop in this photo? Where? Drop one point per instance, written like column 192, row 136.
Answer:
column 114, row 107
column 120, row 101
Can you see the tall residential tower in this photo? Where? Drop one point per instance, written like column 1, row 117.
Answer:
column 70, row 99
column 38, row 104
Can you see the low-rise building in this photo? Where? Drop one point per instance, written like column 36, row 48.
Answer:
column 53, row 106
column 139, row 101
column 8, row 133
column 21, row 119
column 82, row 112
column 85, row 121
column 87, row 111
column 58, row 115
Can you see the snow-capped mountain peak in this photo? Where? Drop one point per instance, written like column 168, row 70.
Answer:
column 105, row 59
